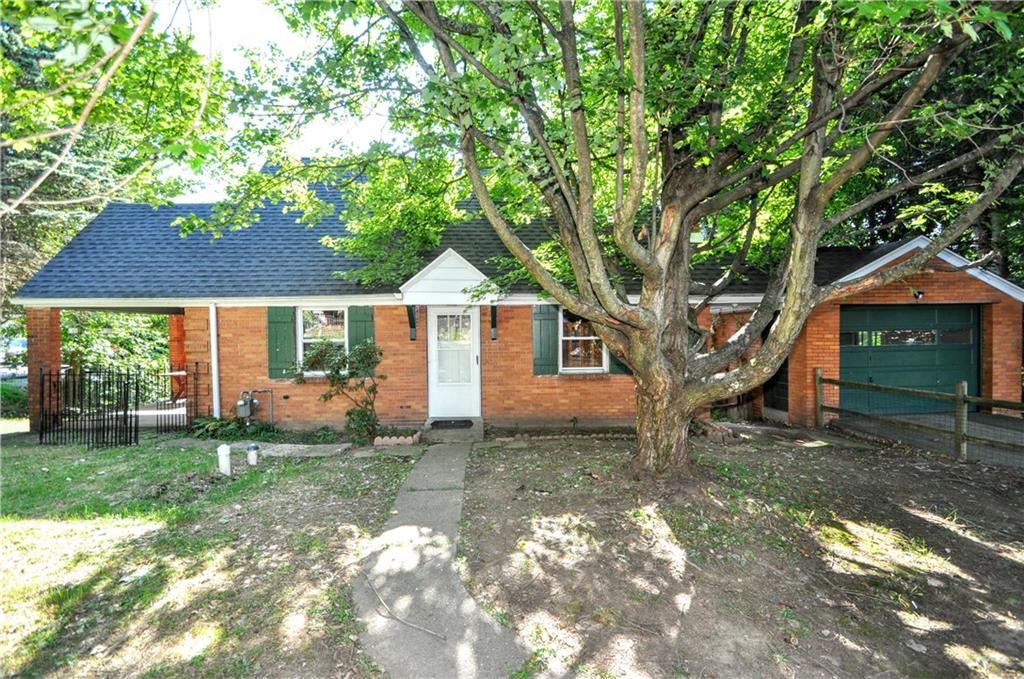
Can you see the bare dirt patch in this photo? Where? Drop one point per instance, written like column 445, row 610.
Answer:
column 194, row 574
column 780, row 557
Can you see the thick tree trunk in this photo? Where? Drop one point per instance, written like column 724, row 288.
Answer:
column 662, row 428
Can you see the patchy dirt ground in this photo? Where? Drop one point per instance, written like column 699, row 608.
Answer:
column 780, row 557
column 145, row 562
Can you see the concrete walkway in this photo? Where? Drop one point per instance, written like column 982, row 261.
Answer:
column 412, row 569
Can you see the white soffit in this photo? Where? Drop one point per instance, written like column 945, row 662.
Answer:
column 946, row 255
column 444, row 281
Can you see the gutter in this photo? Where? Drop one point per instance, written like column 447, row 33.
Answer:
column 214, row 362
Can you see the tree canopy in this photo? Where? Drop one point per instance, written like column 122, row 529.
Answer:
column 654, row 135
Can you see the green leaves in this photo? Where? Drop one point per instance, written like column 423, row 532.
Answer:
column 396, row 213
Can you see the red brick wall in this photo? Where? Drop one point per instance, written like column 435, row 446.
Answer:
column 197, row 352
column 42, row 326
column 242, row 338
column 511, row 394
column 818, row 345
column 514, row 396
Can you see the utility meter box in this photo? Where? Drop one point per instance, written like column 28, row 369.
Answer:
column 246, row 407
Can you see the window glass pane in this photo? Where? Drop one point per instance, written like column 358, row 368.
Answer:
column 889, row 337
column 454, row 328
column 320, row 324
column 454, row 348
column 956, row 336
column 574, row 326
column 453, row 366
column 582, row 353
column 858, row 338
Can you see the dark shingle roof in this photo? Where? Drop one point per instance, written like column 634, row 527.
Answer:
column 133, row 252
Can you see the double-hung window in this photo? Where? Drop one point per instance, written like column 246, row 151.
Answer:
column 318, row 325
column 580, row 350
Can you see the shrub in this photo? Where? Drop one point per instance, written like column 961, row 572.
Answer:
column 232, row 430
column 237, row 430
column 351, row 374
column 13, row 400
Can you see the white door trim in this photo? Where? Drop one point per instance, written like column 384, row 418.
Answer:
column 454, row 401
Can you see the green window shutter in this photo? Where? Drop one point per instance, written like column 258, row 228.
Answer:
column 617, row 367
column 545, row 339
column 360, row 325
column 281, row 341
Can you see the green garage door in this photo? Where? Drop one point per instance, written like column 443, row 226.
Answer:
column 928, row 347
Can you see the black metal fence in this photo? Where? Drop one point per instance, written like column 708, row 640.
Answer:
column 107, row 408
column 170, row 399
column 969, row 427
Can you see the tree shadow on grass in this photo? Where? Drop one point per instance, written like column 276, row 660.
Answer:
column 894, row 544
column 254, row 583
column 562, row 543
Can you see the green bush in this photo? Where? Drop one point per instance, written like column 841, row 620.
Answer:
column 362, row 425
column 352, row 374
column 223, row 429
column 13, row 401
column 233, row 430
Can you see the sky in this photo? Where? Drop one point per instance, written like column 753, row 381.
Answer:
column 229, row 26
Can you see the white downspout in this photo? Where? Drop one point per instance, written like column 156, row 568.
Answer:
column 214, row 362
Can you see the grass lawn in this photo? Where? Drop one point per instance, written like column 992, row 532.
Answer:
column 779, row 558
column 144, row 561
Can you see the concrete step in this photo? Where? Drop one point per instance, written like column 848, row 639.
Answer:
column 474, row 432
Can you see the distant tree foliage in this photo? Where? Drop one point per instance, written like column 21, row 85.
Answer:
column 95, row 105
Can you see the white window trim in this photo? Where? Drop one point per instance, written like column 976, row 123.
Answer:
column 299, row 336
column 571, row 371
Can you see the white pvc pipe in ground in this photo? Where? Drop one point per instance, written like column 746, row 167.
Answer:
column 224, row 459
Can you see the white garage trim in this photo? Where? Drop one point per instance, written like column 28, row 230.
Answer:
column 948, row 256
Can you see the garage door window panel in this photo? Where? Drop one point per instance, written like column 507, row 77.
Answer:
column 957, row 336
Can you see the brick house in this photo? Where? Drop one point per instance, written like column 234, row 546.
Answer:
column 243, row 307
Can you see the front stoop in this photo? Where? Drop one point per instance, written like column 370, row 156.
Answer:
column 475, row 432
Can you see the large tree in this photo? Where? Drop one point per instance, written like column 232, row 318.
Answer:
column 654, row 134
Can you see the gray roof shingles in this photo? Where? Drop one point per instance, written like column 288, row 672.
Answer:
column 132, row 251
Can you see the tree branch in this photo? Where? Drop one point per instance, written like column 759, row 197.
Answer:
column 930, row 72
column 946, row 237
column 913, row 182
column 76, row 131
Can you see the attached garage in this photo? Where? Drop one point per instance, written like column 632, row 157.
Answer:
column 930, row 347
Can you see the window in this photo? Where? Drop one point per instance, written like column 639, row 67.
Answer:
column 580, row 349
column 317, row 325
column 455, row 349
column 889, row 337
column 879, row 338
column 860, row 338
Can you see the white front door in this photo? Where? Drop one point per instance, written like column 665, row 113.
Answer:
column 453, row 361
